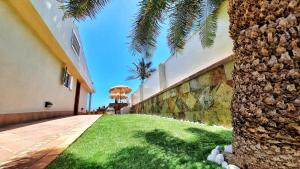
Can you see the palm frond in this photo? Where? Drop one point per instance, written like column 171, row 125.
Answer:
column 147, row 25
column 184, row 15
column 142, row 70
column 149, row 64
column 208, row 23
column 208, row 31
column 80, row 9
column 152, row 70
column 131, row 70
column 132, row 77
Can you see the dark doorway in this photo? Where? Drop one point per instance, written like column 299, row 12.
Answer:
column 77, row 96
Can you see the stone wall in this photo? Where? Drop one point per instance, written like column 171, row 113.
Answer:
column 205, row 97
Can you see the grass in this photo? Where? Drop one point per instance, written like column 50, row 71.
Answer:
column 143, row 142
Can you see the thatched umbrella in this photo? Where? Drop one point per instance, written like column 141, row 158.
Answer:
column 120, row 89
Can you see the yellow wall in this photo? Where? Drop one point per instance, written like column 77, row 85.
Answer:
column 29, row 72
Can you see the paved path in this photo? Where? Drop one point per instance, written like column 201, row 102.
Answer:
column 37, row 144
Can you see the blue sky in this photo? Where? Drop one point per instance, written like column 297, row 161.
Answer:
column 105, row 42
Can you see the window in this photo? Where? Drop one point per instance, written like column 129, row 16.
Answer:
column 75, row 44
column 67, row 79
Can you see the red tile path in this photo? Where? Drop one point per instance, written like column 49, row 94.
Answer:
column 37, row 144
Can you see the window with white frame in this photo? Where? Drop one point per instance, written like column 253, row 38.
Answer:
column 75, row 44
column 67, row 79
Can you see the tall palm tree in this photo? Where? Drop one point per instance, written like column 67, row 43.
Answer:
column 266, row 101
column 142, row 70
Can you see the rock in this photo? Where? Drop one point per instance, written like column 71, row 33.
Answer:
column 211, row 157
column 215, row 152
column 231, row 166
column 228, row 149
column 219, row 159
column 224, row 164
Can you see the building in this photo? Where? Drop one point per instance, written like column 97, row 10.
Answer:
column 43, row 72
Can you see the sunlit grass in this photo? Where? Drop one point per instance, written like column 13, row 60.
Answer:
column 143, row 142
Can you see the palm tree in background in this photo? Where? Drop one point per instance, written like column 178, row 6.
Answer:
column 266, row 101
column 141, row 70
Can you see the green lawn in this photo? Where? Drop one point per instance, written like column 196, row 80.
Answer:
column 143, row 142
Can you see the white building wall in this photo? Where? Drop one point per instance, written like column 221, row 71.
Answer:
column 52, row 14
column 151, row 85
column 30, row 73
column 135, row 97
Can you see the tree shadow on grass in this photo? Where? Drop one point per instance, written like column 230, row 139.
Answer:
column 138, row 158
column 195, row 151
column 72, row 161
column 128, row 158
column 163, row 151
column 222, row 137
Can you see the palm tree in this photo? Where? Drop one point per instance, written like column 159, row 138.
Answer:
column 142, row 70
column 266, row 101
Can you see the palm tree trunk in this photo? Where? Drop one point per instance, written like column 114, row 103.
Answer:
column 266, row 101
column 142, row 96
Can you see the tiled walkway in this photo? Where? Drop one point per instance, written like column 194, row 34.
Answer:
column 35, row 145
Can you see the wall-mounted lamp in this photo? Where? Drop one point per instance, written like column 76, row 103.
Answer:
column 48, row 104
